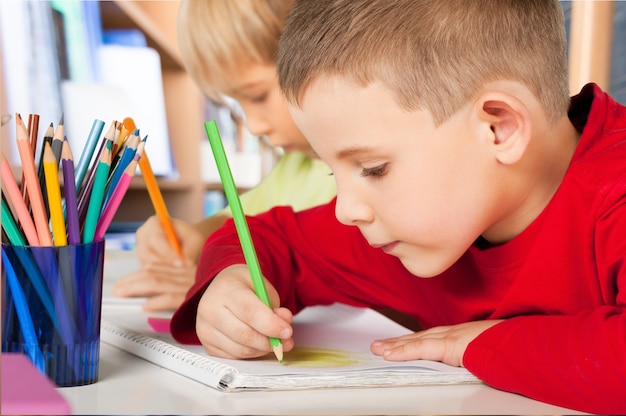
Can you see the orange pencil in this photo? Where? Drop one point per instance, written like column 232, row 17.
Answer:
column 13, row 192
column 157, row 201
column 34, row 190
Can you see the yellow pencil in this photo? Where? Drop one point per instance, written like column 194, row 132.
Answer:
column 54, row 196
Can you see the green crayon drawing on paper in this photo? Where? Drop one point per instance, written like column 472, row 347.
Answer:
column 318, row 357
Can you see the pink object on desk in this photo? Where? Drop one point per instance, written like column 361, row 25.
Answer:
column 25, row 391
column 160, row 324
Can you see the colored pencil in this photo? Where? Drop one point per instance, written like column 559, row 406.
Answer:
column 28, row 262
column 19, row 204
column 87, row 153
column 33, row 131
column 34, row 191
column 57, row 140
column 84, row 191
column 240, row 224
column 10, row 226
column 119, row 163
column 97, row 195
column 126, row 128
column 157, row 201
column 23, row 315
column 71, row 204
column 51, row 170
column 47, row 138
column 116, row 199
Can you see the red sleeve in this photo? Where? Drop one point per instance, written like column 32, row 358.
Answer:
column 577, row 360
column 311, row 259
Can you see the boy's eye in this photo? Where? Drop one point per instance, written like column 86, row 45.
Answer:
column 259, row 98
column 375, row 171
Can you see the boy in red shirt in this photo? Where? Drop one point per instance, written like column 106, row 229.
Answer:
column 472, row 195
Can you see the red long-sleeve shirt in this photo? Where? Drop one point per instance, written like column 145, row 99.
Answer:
column 560, row 285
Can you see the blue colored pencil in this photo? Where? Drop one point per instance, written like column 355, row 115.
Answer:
column 87, row 154
column 28, row 262
column 23, row 315
column 119, row 164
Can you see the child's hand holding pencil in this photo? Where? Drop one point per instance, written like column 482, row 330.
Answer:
column 232, row 322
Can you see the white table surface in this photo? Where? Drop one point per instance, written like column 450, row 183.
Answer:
column 130, row 385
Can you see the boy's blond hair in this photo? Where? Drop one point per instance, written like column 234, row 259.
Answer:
column 432, row 54
column 219, row 37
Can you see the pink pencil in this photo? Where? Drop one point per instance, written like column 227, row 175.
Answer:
column 114, row 202
column 15, row 196
column 32, row 181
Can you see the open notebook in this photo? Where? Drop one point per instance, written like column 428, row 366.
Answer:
column 332, row 350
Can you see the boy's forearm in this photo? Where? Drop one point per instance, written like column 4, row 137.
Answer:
column 577, row 358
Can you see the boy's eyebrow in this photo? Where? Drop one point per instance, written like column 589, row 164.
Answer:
column 239, row 89
column 354, row 151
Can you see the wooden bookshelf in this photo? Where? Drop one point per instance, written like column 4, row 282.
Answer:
column 184, row 109
column 591, row 25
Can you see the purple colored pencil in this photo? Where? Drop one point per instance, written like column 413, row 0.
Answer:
column 71, row 203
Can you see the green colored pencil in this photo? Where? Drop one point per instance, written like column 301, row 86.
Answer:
column 240, row 223
column 97, row 194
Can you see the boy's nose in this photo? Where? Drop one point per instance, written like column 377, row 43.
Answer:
column 351, row 210
column 257, row 125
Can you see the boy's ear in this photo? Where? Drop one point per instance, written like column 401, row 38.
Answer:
column 507, row 123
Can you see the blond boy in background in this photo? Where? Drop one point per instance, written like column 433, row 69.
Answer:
column 229, row 48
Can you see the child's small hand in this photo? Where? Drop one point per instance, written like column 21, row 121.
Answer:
column 152, row 245
column 232, row 322
column 444, row 343
column 165, row 285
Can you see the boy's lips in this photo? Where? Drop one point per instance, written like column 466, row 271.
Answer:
column 386, row 247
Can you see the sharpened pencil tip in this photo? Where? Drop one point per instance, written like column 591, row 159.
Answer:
column 62, row 117
column 278, row 351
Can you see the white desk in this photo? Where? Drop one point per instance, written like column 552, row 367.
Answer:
column 131, row 385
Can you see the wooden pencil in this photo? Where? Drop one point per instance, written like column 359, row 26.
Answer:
column 33, row 131
column 243, row 232
column 34, row 190
column 71, row 204
column 51, row 170
column 24, row 316
column 157, row 201
column 47, row 138
column 115, row 200
column 87, row 153
column 97, row 196
column 84, row 191
column 10, row 226
column 57, row 140
column 21, row 209
column 119, row 164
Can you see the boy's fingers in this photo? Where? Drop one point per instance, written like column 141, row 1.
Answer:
column 167, row 301
column 263, row 319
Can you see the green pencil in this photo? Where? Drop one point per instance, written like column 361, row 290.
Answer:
column 97, row 194
column 240, row 223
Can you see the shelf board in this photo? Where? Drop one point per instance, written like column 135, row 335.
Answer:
column 137, row 183
column 156, row 19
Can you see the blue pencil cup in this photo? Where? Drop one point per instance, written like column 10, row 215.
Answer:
column 51, row 308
